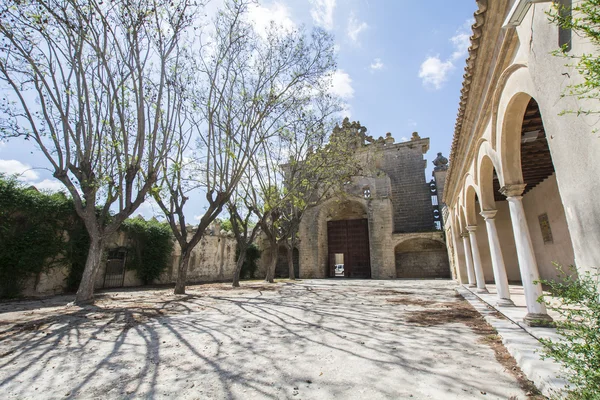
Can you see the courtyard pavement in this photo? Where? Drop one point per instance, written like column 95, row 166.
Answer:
column 311, row 339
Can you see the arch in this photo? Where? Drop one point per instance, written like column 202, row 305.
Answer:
column 517, row 91
column 346, row 219
column 486, row 183
column 502, row 83
column 462, row 220
column 470, row 208
column 510, row 139
column 422, row 258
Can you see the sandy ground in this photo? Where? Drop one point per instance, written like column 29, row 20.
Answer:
column 313, row 339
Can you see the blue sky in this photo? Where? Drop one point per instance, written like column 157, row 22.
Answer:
column 400, row 67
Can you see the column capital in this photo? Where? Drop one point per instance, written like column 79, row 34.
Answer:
column 489, row 214
column 464, row 235
column 471, row 228
column 513, row 190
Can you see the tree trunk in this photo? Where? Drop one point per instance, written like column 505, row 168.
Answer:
column 85, row 293
column 238, row 267
column 184, row 261
column 290, row 260
column 272, row 263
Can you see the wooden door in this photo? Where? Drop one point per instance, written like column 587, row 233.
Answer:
column 350, row 238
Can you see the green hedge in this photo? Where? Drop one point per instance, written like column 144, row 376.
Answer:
column 151, row 249
column 40, row 231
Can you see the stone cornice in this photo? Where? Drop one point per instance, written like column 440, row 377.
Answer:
column 484, row 68
column 469, row 71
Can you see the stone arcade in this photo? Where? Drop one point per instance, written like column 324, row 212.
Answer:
column 387, row 225
column 521, row 192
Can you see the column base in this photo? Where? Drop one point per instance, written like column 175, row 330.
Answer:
column 505, row 303
column 538, row 320
column 471, row 285
column 483, row 290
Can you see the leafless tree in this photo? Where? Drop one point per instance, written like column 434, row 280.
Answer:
column 299, row 171
column 85, row 80
column 248, row 84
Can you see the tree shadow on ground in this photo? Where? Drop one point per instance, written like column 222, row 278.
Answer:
column 224, row 343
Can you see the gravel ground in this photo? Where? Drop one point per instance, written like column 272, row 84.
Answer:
column 312, row 339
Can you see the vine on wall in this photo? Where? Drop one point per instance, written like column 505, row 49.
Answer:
column 41, row 231
column 38, row 231
column 151, row 247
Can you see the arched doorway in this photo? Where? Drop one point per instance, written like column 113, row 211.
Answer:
column 422, row 258
column 282, row 269
column 348, row 241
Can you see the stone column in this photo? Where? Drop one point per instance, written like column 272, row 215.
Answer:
column 536, row 312
column 497, row 260
column 456, row 258
column 468, row 259
column 477, row 260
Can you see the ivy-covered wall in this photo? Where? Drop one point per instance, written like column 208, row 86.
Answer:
column 44, row 244
column 43, row 247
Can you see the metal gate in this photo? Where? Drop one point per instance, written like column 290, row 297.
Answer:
column 114, row 275
column 350, row 239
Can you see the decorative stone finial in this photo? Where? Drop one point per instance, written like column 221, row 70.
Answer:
column 389, row 139
column 415, row 136
column 440, row 162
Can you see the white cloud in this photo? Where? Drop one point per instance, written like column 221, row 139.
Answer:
column 51, row 185
column 461, row 42
column 342, row 85
column 355, row 27
column 411, row 123
column 404, row 139
column 14, row 167
column 197, row 217
column 434, row 72
column 376, row 65
column 322, row 13
column 262, row 16
column 346, row 111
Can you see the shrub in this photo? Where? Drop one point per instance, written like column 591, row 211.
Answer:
column 578, row 351
column 250, row 266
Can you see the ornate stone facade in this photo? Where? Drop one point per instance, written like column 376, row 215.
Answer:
column 394, row 198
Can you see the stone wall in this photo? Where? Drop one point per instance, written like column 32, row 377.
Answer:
column 423, row 258
column 410, row 193
column 212, row 260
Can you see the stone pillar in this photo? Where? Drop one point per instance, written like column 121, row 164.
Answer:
column 497, row 260
column 536, row 312
column 468, row 259
column 479, row 276
column 456, row 258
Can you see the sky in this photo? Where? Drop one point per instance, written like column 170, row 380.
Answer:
column 400, row 67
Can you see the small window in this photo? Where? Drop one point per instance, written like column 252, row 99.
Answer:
column 434, row 200
column 565, row 10
column 367, row 193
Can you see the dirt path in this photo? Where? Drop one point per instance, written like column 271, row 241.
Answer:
column 316, row 339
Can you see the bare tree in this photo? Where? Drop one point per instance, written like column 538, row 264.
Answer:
column 314, row 170
column 243, row 224
column 248, row 84
column 85, row 79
